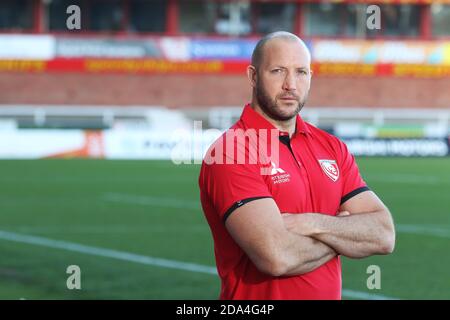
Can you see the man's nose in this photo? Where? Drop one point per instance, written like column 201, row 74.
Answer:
column 289, row 83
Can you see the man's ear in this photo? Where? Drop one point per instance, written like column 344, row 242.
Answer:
column 251, row 75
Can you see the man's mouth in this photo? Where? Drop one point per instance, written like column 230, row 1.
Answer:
column 289, row 98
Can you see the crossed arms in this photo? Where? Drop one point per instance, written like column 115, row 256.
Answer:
column 293, row 244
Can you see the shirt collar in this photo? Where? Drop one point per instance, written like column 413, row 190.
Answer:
column 253, row 119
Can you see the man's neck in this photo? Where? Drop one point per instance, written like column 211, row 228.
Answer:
column 286, row 126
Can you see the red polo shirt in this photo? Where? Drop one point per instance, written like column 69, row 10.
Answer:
column 315, row 173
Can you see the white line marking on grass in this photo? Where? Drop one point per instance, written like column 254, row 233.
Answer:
column 365, row 296
column 131, row 257
column 408, row 179
column 423, row 230
column 94, row 229
column 109, row 253
column 152, row 201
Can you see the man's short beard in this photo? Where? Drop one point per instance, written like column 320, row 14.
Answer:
column 271, row 108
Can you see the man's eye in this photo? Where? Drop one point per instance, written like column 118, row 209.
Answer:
column 303, row 72
column 276, row 71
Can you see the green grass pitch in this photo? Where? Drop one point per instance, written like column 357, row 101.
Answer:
column 151, row 209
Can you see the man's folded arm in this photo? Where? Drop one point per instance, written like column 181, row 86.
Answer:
column 258, row 228
column 367, row 230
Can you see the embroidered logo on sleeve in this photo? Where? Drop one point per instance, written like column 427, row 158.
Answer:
column 330, row 168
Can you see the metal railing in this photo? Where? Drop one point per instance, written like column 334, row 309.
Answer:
column 224, row 117
column 74, row 116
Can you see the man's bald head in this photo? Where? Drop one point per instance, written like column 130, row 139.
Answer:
column 280, row 75
column 258, row 52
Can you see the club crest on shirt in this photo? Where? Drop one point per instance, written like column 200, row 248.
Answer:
column 330, row 168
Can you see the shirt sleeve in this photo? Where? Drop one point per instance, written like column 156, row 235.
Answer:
column 353, row 183
column 229, row 186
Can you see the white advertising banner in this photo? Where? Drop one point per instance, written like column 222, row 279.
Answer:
column 398, row 147
column 36, row 144
column 27, row 47
column 374, row 52
column 180, row 146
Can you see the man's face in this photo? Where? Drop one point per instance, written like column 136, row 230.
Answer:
column 283, row 79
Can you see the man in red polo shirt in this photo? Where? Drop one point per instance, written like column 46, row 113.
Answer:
column 281, row 219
